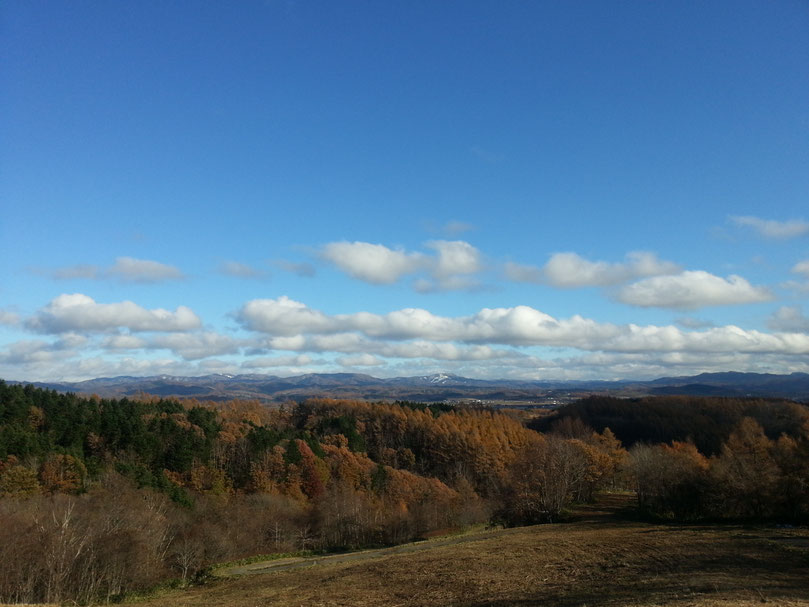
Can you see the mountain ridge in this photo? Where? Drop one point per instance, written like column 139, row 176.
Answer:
column 433, row 387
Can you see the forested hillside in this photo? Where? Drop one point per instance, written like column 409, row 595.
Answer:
column 705, row 421
column 100, row 497
column 110, row 495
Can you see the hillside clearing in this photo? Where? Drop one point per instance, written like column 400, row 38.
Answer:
column 597, row 560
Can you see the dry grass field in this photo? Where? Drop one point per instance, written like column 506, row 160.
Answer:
column 598, row 559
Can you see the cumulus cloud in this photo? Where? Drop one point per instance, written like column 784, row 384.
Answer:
column 374, row 263
column 34, row 351
column 449, row 267
column 690, row 290
column 80, row 313
column 240, row 270
column 570, row 270
column 493, row 342
column 789, row 318
column 517, row 326
column 454, row 257
column 288, row 318
column 283, row 316
column 769, row 228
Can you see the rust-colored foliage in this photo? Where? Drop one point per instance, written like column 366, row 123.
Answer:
column 62, row 473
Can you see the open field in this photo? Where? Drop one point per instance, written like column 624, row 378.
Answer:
column 599, row 559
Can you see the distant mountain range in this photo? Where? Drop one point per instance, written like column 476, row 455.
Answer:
column 431, row 388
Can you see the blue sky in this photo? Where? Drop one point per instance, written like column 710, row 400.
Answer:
column 512, row 189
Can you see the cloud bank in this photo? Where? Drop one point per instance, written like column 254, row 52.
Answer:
column 294, row 326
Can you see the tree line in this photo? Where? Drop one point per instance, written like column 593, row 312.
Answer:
column 707, row 422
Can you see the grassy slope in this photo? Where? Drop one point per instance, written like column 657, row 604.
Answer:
column 597, row 560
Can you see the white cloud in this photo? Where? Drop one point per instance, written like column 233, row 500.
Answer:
column 609, row 365
column 35, row 351
column 494, row 342
column 690, row 290
column 301, row 360
column 240, row 270
column 283, row 316
column 454, row 261
column 570, row 270
column 360, row 360
column 374, row 263
column 517, row 326
column 449, row 268
column 454, row 257
column 80, row 313
column 190, row 346
column 129, row 269
column 73, row 368
column 124, row 342
column 69, row 341
column 802, row 267
column 9, row 318
column 801, row 286
column 769, row 228
column 789, row 318
column 193, row 346
column 418, row 348
column 125, row 269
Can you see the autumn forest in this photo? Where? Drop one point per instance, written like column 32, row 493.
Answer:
column 102, row 498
